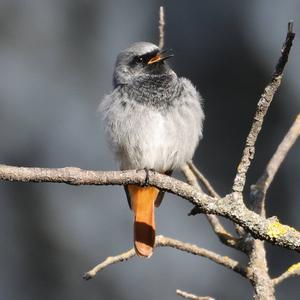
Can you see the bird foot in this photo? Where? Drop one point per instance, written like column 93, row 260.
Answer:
column 146, row 182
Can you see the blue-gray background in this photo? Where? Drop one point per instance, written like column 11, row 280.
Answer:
column 56, row 62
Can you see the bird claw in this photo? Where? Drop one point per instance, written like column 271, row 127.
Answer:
column 146, row 182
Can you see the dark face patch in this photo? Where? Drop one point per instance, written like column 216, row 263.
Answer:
column 139, row 64
column 142, row 60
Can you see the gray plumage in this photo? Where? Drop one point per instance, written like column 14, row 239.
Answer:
column 153, row 118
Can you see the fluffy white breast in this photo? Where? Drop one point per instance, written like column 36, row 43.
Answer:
column 145, row 137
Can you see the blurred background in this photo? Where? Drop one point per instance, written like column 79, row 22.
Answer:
column 56, row 63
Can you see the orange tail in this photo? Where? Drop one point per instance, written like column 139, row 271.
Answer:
column 142, row 203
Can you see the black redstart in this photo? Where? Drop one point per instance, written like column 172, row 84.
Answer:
column 154, row 121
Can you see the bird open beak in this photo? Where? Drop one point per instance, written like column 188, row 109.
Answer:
column 160, row 56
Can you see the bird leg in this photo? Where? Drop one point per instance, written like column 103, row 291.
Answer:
column 146, row 182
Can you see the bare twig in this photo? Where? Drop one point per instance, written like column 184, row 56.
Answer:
column 214, row 221
column 109, row 261
column 264, row 287
column 161, row 27
column 190, row 171
column 190, row 177
column 259, row 190
column 162, row 241
column 292, row 271
column 187, row 295
column 203, row 180
column 262, row 282
column 262, row 109
column 231, row 206
column 193, row 249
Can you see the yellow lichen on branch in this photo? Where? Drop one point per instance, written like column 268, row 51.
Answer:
column 295, row 267
column 276, row 229
column 292, row 271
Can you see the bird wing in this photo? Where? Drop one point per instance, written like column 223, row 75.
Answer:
column 162, row 193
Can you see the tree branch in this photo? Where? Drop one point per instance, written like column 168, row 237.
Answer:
column 212, row 192
column 190, row 177
column 162, row 241
column 262, row 109
column 190, row 171
column 259, row 190
column 262, row 282
column 109, row 261
column 187, row 295
column 292, row 271
column 231, row 206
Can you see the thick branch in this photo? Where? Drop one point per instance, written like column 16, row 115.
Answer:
column 187, row 295
column 71, row 175
column 259, row 190
column 162, row 241
column 292, row 271
column 230, row 206
column 261, row 281
column 262, row 109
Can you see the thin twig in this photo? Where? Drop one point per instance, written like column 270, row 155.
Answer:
column 193, row 249
column 109, row 261
column 262, row 109
column 187, row 295
column 161, row 27
column 190, row 172
column 292, row 271
column 190, row 176
column 214, row 221
column 231, row 206
column 162, row 241
column 203, row 180
column 259, row 190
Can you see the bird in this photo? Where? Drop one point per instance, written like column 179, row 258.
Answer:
column 153, row 120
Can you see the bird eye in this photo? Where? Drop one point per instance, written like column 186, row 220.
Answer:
column 138, row 59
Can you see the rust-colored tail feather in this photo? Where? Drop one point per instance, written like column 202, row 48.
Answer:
column 142, row 204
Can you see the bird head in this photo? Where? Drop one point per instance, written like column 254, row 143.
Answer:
column 141, row 60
